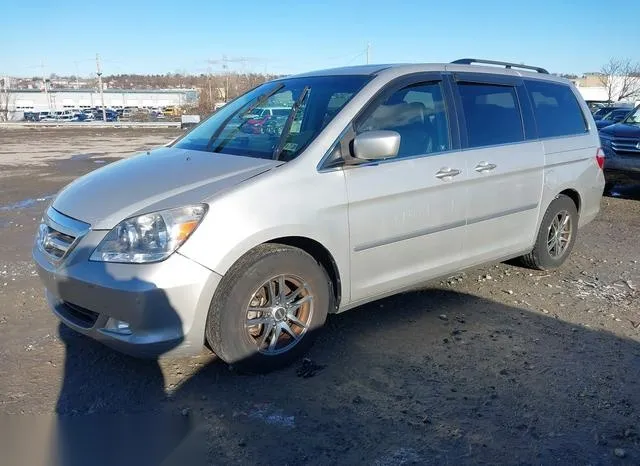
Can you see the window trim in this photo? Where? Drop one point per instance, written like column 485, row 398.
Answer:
column 512, row 82
column 348, row 133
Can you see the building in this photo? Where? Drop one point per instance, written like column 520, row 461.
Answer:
column 21, row 100
column 591, row 87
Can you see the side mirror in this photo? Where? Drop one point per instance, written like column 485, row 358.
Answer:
column 376, row 145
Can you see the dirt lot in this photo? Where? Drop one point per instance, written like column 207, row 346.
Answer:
column 498, row 365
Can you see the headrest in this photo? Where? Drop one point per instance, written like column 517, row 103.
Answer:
column 401, row 114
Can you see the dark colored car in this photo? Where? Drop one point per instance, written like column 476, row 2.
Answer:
column 613, row 117
column 111, row 115
column 595, row 105
column 32, row 116
column 602, row 111
column 621, row 146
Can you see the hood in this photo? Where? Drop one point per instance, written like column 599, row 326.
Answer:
column 161, row 179
column 603, row 123
column 622, row 130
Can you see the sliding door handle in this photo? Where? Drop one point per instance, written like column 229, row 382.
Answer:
column 485, row 167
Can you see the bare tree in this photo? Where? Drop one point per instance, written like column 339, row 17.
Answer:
column 621, row 79
column 5, row 96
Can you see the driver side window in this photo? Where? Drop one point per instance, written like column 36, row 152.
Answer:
column 418, row 114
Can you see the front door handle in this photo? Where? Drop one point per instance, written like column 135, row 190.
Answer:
column 447, row 173
column 485, row 167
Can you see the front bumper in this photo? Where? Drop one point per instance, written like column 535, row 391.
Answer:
column 616, row 165
column 165, row 303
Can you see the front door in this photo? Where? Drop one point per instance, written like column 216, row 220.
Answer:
column 407, row 214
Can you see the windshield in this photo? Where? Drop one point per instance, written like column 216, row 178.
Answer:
column 302, row 107
column 602, row 113
column 634, row 117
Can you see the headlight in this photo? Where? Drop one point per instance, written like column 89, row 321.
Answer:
column 150, row 237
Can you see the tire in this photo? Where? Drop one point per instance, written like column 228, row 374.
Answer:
column 249, row 348
column 541, row 258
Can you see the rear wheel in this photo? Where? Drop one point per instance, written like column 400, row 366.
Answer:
column 268, row 308
column 556, row 236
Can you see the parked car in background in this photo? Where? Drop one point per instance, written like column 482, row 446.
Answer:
column 31, row 116
column 172, row 111
column 602, row 111
column 47, row 116
column 595, row 105
column 258, row 113
column 127, row 113
column 265, row 120
column 621, row 146
column 80, row 116
column 189, row 121
column 614, row 116
column 110, row 114
column 396, row 175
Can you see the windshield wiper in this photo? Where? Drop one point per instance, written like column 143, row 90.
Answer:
column 224, row 124
column 287, row 125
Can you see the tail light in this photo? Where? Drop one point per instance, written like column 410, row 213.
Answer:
column 600, row 157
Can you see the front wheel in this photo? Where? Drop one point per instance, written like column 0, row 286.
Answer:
column 268, row 308
column 556, row 236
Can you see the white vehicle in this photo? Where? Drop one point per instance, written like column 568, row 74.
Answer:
column 396, row 175
column 259, row 113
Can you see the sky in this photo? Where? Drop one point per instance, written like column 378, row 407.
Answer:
column 284, row 37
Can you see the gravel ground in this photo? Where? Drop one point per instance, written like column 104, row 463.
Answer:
column 496, row 365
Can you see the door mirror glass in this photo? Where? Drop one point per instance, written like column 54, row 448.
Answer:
column 376, row 145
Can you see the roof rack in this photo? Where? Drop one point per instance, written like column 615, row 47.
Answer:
column 468, row 61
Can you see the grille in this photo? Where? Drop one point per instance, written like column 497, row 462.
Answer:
column 54, row 243
column 626, row 146
column 58, row 234
column 78, row 315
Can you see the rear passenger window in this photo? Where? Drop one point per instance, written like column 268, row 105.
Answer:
column 492, row 114
column 418, row 114
column 556, row 109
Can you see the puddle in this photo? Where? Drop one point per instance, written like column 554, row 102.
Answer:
column 25, row 203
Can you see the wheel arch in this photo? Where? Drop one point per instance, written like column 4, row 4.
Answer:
column 574, row 195
column 331, row 255
column 321, row 254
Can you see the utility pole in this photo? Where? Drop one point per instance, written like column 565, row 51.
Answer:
column 368, row 51
column 44, row 84
column 225, row 67
column 76, row 66
column 99, row 73
column 224, row 61
column 226, row 87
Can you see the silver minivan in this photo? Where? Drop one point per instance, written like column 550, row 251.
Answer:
column 380, row 178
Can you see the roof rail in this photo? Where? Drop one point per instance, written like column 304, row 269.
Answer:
column 468, row 61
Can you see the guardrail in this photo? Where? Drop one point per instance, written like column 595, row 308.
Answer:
column 90, row 124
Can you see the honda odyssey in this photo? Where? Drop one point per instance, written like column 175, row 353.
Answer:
column 379, row 178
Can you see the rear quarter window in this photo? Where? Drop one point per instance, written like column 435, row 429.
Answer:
column 556, row 109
